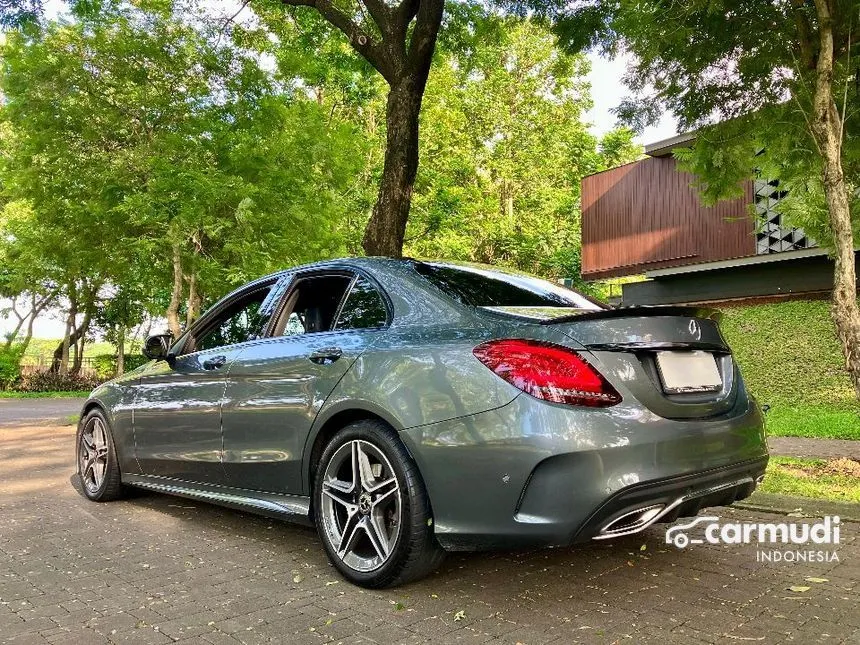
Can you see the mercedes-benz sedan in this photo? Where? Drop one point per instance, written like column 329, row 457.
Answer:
column 407, row 408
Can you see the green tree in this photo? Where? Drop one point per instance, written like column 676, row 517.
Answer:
column 398, row 40
column 147, row 151
column 779, row 76
column 505, row 146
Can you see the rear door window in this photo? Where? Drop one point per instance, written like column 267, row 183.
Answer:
column 364, row 307
column 312, row 305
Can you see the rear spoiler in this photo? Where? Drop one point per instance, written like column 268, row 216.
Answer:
column 639, row 311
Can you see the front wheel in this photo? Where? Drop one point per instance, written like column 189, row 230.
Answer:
column 371, row 508
column 98, row 467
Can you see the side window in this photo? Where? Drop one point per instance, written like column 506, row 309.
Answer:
column 312, row 305
column 241, row 322
column 363, row 309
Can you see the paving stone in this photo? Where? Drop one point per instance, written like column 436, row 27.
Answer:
column 153, row 569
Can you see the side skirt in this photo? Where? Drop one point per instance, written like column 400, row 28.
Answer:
column 293, row 508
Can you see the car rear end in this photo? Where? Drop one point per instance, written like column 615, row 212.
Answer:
column 680, row 434
column 627, row 417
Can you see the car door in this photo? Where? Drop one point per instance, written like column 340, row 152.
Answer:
column 177, row 406
column 276, row 387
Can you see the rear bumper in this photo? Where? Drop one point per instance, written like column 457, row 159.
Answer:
column 636, row 508
column 537, row 474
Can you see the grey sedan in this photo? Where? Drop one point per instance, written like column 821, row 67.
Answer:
column 407, row 408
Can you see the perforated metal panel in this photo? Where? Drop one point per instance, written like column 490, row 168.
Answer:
column 772, row 236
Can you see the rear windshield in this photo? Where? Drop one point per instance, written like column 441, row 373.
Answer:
column 493, row 288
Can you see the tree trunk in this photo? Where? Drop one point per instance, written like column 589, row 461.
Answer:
column 387, row 226
column 28, row 336
column 176, row 295
column 12, row 335
column 80, row 338
column 120, row 350
column 193, row 308
column 826, row 128
column 63, row 349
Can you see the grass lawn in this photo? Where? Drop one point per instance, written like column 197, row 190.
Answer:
column 834, row 479
column 791, row 361
column 816, row 421
column 4, row 394
column 45, row 347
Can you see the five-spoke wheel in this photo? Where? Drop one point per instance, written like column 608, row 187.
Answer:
column 371, row 508
column 361, row 505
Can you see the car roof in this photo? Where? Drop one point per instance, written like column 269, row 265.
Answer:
column 369, row 262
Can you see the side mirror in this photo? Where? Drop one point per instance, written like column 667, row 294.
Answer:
column 157, row 347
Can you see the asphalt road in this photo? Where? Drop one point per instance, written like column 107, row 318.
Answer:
column 19, row 412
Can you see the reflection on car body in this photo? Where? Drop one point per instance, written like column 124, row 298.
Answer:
column 408, row 408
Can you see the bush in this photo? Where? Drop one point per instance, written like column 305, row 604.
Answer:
column 10, row 366
column 47, row 381
column 105, row 364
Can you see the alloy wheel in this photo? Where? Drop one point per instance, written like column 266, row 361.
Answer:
column 93, row 455
column 360, row 505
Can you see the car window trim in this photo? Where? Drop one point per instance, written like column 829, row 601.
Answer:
column 343, row 302
column 296, row 279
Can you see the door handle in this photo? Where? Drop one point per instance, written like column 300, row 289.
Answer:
column 326, row 355
column 214, row 363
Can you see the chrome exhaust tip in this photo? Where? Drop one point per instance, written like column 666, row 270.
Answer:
column 631, row 522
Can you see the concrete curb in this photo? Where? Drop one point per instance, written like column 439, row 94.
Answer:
column 814, row 448
column 800, row 506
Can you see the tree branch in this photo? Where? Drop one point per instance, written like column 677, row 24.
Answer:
column 423, row 42
column 381, row 15
column 227, row 22
column 358, row 39
column 804, row 34
column 403, row 15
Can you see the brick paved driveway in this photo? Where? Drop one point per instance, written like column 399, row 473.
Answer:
column 156, row 569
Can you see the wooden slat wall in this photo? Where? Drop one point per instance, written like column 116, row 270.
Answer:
column 645, row 215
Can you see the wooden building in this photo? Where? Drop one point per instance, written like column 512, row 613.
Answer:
column 646, row 218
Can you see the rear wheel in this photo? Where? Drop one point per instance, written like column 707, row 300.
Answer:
column 371, row 508
column 98, row 467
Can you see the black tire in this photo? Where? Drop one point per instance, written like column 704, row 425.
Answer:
column 110, row 486
column 414, row 552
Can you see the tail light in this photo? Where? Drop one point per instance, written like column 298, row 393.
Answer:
column 547, row 371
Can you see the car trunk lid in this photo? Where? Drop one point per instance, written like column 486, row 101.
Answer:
column 674, row 360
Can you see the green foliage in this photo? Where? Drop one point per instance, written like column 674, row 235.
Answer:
column 20, row 13
column 105, row 364
column 47, row 381
column 504, row 148
column 44, row 347
column 740, row 73
column 133, row 129
column 10, row 366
